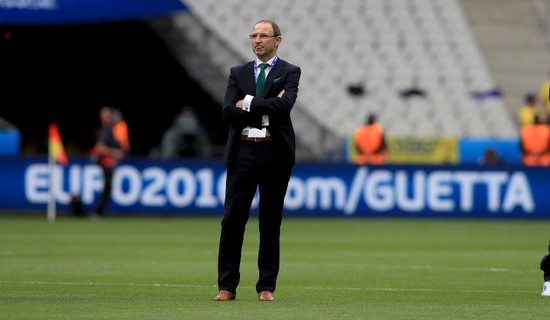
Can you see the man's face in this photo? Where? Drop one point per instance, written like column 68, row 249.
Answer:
column 264, row 48
column 105, row 116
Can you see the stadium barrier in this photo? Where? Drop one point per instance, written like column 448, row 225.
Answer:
column 185, row 187
column 442, row 150
column 10, row 141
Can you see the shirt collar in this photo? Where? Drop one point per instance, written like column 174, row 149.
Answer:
column 271, row 62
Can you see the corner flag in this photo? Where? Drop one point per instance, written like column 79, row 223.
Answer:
column 55, row 145
column 57, row 154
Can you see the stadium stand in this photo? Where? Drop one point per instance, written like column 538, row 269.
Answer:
column 379, row 47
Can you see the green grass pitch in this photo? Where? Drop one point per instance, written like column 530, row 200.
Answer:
column 165, row 268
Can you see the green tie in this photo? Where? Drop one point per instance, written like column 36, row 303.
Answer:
column 260, row 83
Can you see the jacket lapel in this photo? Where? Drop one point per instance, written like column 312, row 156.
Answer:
column 273, row 73
column 250, row 79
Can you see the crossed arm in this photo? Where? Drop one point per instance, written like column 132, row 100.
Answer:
column 239, row 103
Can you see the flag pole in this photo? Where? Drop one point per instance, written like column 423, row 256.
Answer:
column 51, row 214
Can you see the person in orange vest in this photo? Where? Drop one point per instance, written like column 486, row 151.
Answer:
column 370, row 142
column 112, row 145
column 535, row 143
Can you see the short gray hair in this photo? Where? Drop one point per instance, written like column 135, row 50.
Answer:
column 276, row 29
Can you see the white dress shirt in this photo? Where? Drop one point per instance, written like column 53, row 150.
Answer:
column 251, row 131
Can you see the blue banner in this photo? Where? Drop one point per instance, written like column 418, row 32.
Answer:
column 145, row 186
column 37, row 12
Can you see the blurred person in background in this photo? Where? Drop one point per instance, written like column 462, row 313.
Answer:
column 528, row 110
column 370, row 142
column 490, row 157
column 545, row 267
column 185, row 138
column 260, row 155
column 544, row 96
column 112, row 145
column 535, row 143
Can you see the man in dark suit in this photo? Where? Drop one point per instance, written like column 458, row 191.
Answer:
column 260, row 154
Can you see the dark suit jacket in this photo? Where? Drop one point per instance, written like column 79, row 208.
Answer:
column 241, row 82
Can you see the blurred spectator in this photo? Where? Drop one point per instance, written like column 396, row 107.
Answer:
column 112, row 145
column 528, row 110
column 185, row 137
column 490, row 158
column 535, row 143
column 544, row 96
column 370, row 142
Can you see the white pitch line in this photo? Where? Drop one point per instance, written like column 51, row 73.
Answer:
column 176, row 285
column 107, row 284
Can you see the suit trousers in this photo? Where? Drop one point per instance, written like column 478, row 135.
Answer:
column 258, row 167
column 108, row 173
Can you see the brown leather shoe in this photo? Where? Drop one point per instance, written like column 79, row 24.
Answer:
column 266, row 296
column 225, row 295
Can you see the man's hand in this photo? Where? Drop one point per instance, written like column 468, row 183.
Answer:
column 239, row 103
column 103, row 149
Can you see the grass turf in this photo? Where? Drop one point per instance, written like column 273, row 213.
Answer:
column 165, row 268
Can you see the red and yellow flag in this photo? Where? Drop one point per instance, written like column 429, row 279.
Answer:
column 55, row 145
